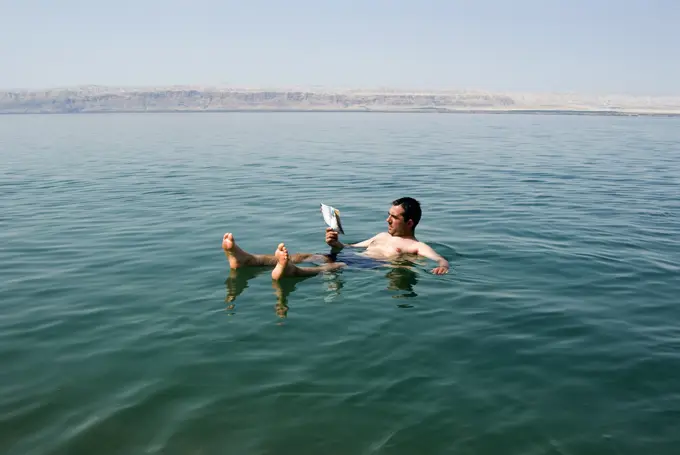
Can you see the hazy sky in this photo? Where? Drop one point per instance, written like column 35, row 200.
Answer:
column 589, row 46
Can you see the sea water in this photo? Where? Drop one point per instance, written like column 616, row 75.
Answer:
column 122, row 330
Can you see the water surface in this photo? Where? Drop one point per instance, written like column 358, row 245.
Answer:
column 122, row 330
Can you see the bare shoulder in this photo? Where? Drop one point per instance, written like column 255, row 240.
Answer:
column 372, row 240
column 382, row 238
column 423, row 246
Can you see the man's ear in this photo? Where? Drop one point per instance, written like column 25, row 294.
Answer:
column 409, row 223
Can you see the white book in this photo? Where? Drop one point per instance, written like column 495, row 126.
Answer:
column 331, row 216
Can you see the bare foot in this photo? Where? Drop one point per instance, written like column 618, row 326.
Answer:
column 283, row 267
column 236, row 256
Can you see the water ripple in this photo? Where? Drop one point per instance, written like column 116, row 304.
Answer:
column 122, row 331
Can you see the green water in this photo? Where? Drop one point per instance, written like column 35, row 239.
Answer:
column 123, row 332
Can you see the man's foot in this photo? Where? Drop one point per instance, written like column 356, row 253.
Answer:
column 283, row 266
column 236, row 256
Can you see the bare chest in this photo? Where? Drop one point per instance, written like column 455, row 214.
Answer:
column 393, row 246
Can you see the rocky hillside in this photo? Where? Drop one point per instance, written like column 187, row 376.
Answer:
column 115, row 99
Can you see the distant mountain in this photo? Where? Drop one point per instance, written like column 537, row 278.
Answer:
column 206, row 99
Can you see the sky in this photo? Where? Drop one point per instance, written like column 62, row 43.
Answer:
column 584, row 46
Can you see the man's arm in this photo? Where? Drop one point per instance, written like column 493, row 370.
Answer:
column 426, row 251
column 337, row 245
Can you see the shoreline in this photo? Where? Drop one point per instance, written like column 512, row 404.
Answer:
column 207, row 99
column 573, row 112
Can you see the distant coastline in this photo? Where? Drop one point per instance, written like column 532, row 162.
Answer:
column 357, row 111
column 99, row 99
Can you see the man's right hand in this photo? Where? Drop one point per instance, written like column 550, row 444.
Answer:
column 332, row 239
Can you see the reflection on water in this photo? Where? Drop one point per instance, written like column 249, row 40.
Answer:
column 333, row 284
column 402, row 279
column 282, row 289
column 237, row 282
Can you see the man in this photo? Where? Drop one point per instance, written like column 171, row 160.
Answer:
column 403, row 217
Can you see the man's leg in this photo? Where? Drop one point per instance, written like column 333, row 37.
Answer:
column 239, row 258
column 284, row 266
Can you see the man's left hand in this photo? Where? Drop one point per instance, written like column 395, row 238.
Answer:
column 440, row 270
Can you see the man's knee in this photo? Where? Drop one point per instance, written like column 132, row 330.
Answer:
column 309, row 257
column 300, row 257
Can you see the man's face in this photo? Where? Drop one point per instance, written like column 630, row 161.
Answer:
column 396, row 225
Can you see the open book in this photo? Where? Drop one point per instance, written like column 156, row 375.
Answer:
column 332, row 218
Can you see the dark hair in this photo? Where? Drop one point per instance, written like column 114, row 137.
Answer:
column 412, row 209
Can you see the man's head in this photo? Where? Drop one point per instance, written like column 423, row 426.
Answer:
column 403, row 216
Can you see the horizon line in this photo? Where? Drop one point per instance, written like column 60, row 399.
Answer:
column 327, row 88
